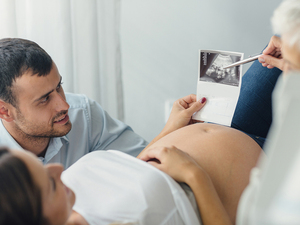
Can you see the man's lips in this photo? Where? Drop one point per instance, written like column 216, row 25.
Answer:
column 64, row 119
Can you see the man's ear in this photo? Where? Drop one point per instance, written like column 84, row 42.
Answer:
column 6, row 111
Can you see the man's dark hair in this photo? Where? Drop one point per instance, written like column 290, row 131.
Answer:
column 16, row 57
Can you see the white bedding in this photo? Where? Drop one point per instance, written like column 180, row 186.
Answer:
column 111, row 186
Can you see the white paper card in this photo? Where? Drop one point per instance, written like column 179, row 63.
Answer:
column 221, row 87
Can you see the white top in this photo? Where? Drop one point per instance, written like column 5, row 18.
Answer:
column 273, row 196
column 111, row 186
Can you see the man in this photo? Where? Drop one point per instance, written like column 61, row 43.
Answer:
column 38, row 116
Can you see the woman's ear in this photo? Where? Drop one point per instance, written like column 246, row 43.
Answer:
column 5, row 111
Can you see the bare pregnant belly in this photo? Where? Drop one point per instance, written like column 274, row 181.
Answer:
column 225, row 153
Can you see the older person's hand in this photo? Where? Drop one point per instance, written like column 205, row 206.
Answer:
column 272, row 56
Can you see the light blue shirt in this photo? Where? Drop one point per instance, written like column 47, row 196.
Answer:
column 92, row 129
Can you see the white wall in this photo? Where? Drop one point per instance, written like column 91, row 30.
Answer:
column 160, row 41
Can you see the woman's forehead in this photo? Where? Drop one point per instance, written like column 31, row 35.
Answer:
column 34, row 166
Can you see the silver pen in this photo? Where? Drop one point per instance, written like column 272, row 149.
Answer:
column 242, row 61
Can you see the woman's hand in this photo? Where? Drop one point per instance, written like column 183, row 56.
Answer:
column 182, row 112
column 76, row 219
column 183, row 168
column 181, row 115
column 174, row 162
column 272, row 56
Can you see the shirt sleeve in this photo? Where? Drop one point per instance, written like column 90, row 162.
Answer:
column 109, row 133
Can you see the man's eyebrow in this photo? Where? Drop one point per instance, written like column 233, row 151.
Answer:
column 45, row 95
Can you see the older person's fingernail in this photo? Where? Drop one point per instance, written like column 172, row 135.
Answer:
column 203, row 100
column 261, row 60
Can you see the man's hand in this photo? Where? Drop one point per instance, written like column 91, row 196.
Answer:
column 182, row 111
column 272, row 55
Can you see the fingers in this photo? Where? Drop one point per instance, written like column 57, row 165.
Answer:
column 156, row 154
column 271, row 62
column 182, row 111
column 196, row 121
column 171, row 160
column 196, row 106
column 185, row 101
column 151, row 153
column 272, row 54
column 190, row 98
column 273, row 46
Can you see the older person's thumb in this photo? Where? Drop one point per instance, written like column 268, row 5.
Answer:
column 271, row 60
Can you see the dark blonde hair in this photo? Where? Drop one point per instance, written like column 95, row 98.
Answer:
column 20, row 197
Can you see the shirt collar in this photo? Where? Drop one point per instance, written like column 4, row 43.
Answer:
column 8, row 139
column 53, row 148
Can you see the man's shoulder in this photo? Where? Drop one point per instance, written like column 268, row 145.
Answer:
column 6, row 139
column 76, row 100
column 81, row 105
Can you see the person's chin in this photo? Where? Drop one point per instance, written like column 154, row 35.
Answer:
column 63, row 129
column 70, row 195
column 73, row 198
column 61, row 132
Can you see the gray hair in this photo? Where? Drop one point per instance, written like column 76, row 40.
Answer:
column 286, row 21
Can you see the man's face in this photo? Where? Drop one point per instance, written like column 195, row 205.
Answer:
column 291, row 56
column 42, row 110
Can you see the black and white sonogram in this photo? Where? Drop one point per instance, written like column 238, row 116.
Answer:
column 211, row 68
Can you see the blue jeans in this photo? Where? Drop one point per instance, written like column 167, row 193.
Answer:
column 253, row 113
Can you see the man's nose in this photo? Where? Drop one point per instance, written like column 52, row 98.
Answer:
column 61, row 103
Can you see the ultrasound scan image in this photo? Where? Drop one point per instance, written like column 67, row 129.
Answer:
column 212, row 68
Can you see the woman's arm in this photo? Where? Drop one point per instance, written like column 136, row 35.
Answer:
column 183, row 168
column 181, row 115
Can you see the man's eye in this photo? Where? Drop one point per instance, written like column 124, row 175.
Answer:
column 45, row 99
column 59, row 86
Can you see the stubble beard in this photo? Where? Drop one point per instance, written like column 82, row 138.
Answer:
column 35, row 132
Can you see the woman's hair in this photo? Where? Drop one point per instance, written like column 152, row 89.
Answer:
column 286, row 21
column 20, row 197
